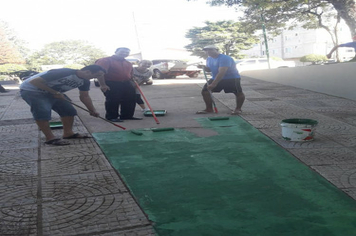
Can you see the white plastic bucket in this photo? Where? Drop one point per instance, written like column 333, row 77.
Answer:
column 298, row 129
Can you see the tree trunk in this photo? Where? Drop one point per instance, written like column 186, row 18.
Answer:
column 347, row 10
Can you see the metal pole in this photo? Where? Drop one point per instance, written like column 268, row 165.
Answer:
column 265, row 38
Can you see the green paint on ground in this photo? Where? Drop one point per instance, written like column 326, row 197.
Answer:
column 236, row 183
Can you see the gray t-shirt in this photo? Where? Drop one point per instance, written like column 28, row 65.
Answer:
column 141, row 77
column 61, row 80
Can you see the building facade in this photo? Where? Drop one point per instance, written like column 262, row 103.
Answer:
column 299, row 42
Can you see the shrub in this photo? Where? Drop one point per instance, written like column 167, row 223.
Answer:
column 74, row 66
column 314, row 58
column 8, row 69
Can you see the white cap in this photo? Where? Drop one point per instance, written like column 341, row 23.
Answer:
column 211, row 47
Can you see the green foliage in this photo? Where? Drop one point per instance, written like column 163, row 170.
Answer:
column 231, row 37
column 314, row 58
column 9, row 52
column 67, row 52
column 74, row 66
column 278, row 14
column 7, row 69
column 277, row 58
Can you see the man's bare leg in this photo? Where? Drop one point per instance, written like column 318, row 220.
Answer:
column 240, row 99
column 67, row 122
column 46, row 129
column 208, row 103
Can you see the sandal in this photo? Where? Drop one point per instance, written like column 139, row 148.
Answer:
column 236, row 113
column 57, row 142
column 204, row 112
column 77, row 136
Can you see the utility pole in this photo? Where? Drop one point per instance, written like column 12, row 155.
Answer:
column 265, row 37
column 137, row 36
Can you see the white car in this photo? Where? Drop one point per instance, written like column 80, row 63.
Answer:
column 261, row 64
column 167, row 68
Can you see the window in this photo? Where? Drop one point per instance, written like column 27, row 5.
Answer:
column 287, row 50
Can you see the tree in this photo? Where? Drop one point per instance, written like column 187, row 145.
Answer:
column 314, row 58
column 67, row 52
column 231, row 37
column 280, row 12
column 9, row 54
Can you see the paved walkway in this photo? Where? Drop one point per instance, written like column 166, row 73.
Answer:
column 73, row 190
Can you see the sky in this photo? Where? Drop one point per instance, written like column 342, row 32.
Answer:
column 147, row 25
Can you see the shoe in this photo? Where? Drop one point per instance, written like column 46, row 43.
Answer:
column 132, row 118
column 144, row 110
column 116, row 120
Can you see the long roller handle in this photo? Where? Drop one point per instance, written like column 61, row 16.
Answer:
column 149, row 106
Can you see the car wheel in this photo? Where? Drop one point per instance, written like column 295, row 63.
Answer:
column 195, row 75
column 150, row 82
column 158, row 74
column 96, row 82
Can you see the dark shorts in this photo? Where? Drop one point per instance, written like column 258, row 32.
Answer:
column 42, row 103
column 228, row 85
column 139, row 99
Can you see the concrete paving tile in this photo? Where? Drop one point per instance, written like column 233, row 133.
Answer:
column 137, row 231
column 74, row 165
column 341, row 175
column 18, row 155
column 266, row 123
column 320, row 141
column 23, row 140
column 88, row 216
column 18, row 170
column 340, row 102
column 18, row 192
column 73, row 150
column 81, row 185
column 275, row 104
column 19, row 220
column 351, row 192
column 325, row 156
column 347, row 140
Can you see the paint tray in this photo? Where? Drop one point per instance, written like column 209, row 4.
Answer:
column 156, row 112
column 56, row 125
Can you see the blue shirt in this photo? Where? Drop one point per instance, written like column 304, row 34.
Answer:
column 223, row 61
column 349, row 45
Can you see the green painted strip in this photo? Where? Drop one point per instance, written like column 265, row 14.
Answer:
column 238, row 182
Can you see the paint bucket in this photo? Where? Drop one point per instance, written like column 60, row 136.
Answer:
column 298, row 129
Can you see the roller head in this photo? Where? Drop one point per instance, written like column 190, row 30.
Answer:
column 161, row 129
column 218, row 118
column 136, row 132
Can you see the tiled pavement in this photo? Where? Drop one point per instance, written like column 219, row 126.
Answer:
column 69, row 190
column 73, row 190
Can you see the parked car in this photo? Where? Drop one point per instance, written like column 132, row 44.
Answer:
column 166, row 68
column 261, row 64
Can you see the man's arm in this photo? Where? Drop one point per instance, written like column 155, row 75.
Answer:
column 205, row 68
column 331, row 52
column 222, row 71
column 104, row 63
column 86, row 100
column 40, row 83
